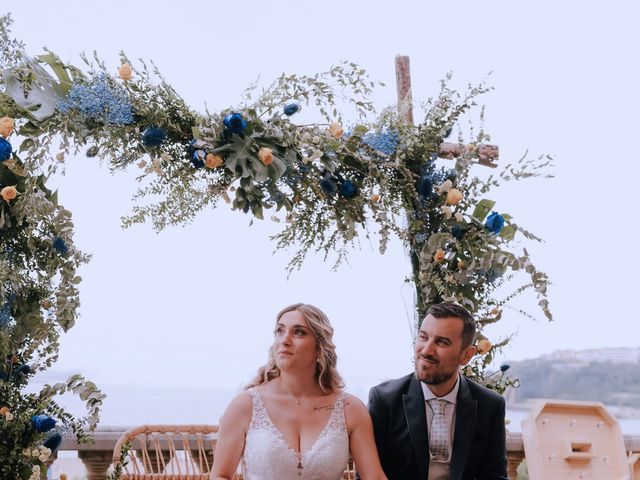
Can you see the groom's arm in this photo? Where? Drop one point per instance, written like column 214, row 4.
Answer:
column 494, row 466
column 380, row 419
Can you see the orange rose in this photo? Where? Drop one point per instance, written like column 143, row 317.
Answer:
column 213, row 160
column 9, row 193
column 6, row 126
column 375, row 198
column 483, row 346
column 336, row 130
column 63, row 476
column 438, row 257
column 265, row 155
column 125, row 72
column 4, row 410
column 453, row 196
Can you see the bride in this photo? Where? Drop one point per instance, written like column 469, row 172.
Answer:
column 294, row 421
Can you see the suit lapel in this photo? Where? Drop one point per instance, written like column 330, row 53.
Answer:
column 465, row 427
column 414, row 410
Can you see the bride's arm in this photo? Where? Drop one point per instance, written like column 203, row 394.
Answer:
column 231, row 435
column 361, row 442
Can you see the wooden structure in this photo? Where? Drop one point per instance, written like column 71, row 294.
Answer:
column 574, row 440
column 486, row 154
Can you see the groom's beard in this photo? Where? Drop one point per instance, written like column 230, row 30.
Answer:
column 439, row 373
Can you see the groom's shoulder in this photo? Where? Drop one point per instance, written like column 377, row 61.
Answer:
column 393, row 387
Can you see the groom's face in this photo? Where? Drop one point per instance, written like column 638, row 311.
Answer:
column 439, row 350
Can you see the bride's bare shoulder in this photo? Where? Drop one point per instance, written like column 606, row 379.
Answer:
column 240, row 407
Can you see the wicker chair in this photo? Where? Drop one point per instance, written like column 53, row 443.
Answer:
column 173, row 452
column 167, row 452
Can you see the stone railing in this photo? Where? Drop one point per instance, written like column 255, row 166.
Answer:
column 97, row 456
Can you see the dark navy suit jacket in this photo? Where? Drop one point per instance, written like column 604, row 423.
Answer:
column 397, row 408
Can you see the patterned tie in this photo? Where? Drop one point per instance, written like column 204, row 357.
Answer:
column 439, row 438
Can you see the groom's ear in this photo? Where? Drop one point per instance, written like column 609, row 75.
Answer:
column 467, row 354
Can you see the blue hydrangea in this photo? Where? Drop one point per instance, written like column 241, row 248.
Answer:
column 99, row 101
column 425, row 186
column 385, row 142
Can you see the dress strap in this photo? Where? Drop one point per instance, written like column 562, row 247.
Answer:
column 259, row 417
column 337, row 420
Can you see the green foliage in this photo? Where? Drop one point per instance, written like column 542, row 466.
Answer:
column 38, row 301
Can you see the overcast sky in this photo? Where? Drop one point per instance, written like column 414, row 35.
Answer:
column 194, row 306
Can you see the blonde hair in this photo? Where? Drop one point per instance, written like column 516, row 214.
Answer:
column 327, row 374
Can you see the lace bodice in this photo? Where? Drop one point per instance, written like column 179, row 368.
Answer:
column 268, row 457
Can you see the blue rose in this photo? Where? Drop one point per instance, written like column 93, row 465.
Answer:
column 328, row 186
column 92, row 152
column 425, row 186
column 291, row 108
column 42, row 423
column 494, row 222
column 235, row 123
column 197, row 159
column 59, row 246
column 458, row 232
column 348, row 189
column 5, row 150
column 53, row 442
column 153, row 136
column 23, row 369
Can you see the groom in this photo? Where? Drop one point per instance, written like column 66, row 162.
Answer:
column 434, row 424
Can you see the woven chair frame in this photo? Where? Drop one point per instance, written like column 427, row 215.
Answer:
column 174, row 452
column 167, row 452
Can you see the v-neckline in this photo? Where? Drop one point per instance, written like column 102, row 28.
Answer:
column 298, row 455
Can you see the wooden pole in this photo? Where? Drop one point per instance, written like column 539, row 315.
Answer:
column 403, row 85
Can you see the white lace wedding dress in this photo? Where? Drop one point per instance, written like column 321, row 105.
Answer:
column 268, row 457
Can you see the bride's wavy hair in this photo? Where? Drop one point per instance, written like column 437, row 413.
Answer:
column 327, row 374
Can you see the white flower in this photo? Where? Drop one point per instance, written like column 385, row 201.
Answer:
column 44, row 453
column 316, row 154
column 444, row 187
column 458, row 216
column 35, row 473
column 35, row 452
column 446, row 211
column 8, row 417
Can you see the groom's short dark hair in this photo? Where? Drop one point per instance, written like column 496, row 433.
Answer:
column 449, row 309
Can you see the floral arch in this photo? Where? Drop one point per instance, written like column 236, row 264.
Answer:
column 330, row 184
